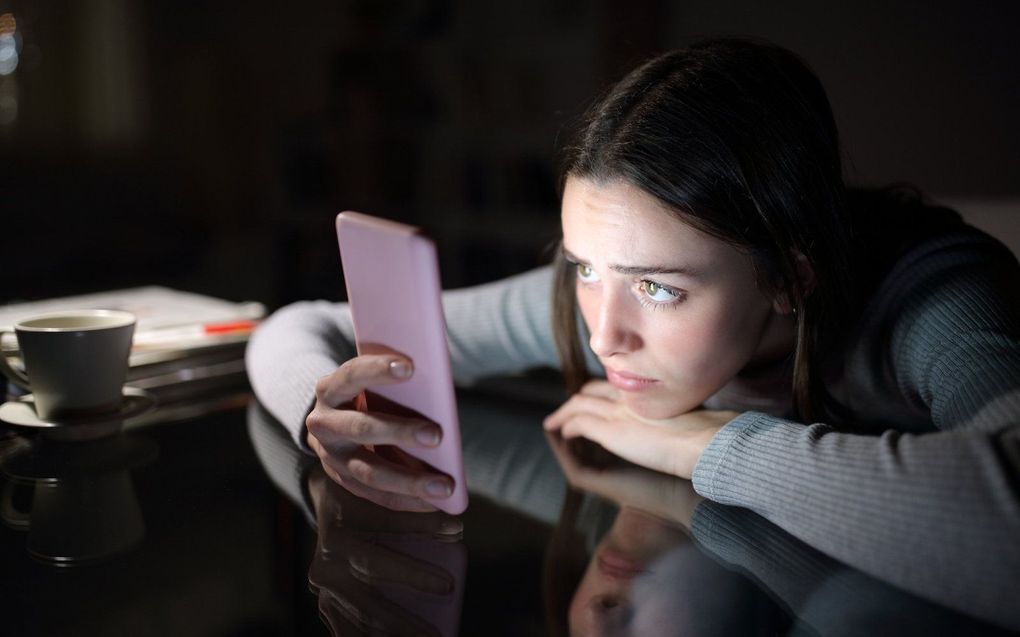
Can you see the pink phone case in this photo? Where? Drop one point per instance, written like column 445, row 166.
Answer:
column 392, row 278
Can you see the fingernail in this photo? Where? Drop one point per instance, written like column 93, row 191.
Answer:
column 440, row 488
column 400, row 369
column 428, row 436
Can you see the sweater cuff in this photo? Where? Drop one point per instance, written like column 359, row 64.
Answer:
column 290, row 394
column 300, row 399
column 714, row 476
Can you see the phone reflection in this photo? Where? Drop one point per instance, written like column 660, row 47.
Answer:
column 384, row 572
column 373, row 570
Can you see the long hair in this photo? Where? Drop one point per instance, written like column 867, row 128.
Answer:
column 738, row 139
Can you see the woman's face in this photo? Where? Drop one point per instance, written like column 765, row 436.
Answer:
column 673, row 313
column 604, row 602
column 647, row 577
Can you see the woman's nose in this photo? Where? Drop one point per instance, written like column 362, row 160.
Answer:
column 615, row 329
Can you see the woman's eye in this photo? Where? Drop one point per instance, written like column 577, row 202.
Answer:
column 586, row 274
column 658, row 293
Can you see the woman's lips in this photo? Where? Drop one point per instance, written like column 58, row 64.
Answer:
column 627, row 381
column 617, row 566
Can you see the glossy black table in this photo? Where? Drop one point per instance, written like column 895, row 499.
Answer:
column 203, row 519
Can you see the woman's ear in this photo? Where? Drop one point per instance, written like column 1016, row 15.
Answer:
column 805, row 275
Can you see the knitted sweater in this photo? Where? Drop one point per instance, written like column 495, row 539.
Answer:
column 930, row 464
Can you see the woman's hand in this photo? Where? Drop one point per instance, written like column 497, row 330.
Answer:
column 672, row 445
column 356, row 447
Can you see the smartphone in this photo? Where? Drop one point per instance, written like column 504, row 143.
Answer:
column 392, row 278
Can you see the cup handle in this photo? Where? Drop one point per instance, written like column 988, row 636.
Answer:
column 11, row 515
column 16, row 376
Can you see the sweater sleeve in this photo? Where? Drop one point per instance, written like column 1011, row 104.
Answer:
column 497, row 328
column 936, row 513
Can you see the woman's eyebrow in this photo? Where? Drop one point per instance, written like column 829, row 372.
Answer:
column 638, row 270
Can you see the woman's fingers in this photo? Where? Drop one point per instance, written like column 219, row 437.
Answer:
column 392, row 501
column 348, row 426
column 360, row 466
column 589, row 425
column 588, row 417
column 351, row 443
column 629, row 438
column 578, row 404
column 357, row 374
column 374, row 471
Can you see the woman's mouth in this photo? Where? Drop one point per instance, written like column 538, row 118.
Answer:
column 617, row 566
column 627, row 381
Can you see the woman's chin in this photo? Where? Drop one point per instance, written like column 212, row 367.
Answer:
column 655, row 408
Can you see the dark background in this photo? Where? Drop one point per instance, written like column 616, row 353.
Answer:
column 208, row 145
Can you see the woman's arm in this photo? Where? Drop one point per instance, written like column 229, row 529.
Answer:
column 938, row 512
column 497, row 328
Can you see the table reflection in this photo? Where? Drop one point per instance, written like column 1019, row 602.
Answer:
column 700, row 586
column 628, row 551
column 646, row 575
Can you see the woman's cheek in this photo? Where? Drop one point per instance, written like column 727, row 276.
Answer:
column 689, row 347
column 698, row 359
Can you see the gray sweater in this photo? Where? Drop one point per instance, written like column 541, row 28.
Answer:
column 922, row 486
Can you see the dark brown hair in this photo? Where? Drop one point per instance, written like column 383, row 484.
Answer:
column 738, row 138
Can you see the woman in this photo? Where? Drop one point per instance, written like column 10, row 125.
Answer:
column 845, row 364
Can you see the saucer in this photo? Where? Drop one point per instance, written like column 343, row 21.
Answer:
column 21, row 413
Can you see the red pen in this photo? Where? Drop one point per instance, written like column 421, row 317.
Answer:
column 194, row 332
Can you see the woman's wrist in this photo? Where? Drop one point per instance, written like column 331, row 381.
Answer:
column 703, row 427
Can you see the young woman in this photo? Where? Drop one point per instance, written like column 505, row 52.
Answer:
column 846, row 364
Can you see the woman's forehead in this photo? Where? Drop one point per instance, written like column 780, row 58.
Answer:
column 618, row 217
column 609, row 195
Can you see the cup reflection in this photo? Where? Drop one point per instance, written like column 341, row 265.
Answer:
column 76, row 501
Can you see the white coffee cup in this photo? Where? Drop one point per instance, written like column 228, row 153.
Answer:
column 75, row 361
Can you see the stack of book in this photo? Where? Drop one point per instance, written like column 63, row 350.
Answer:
column 186, row 345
